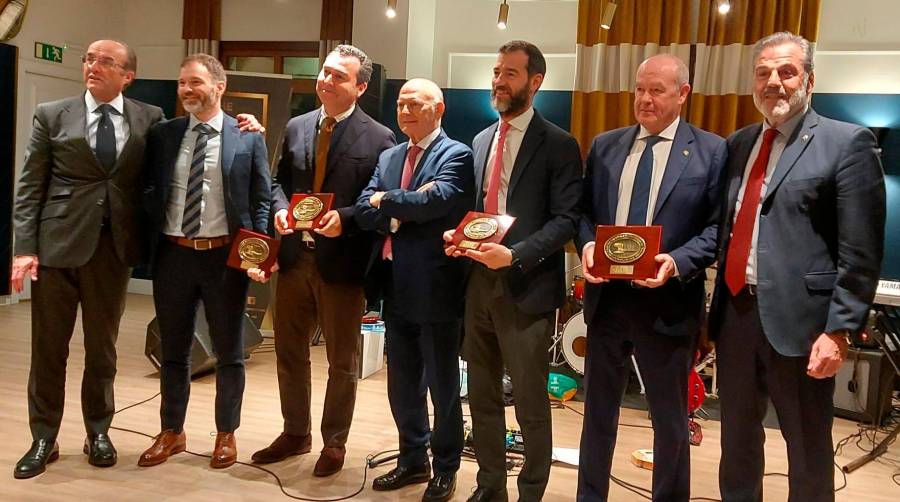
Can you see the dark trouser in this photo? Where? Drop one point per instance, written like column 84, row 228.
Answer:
column 423, row 357
column 498, row 334
column 304, row 301
column 750, row 372
column 183, row 277
column 99, row 286
column 664, row 362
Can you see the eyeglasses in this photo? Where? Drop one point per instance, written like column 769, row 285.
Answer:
column 105, row 62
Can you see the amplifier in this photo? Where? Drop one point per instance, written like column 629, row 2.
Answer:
column 863, row 386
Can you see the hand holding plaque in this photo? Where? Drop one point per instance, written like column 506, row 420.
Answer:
column 306, row 210
column 477, row 228
column 626, row 252
column 253, row 250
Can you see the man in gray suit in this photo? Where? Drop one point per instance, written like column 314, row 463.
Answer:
column 77, row 224
column 78, row 233
column 800, row 246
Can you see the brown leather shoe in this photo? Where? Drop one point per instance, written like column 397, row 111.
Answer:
column 166, row 444
column 225, row 454
column 331, row 460
column 284, row 446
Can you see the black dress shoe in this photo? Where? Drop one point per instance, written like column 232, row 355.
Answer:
column 484, row 494
column 42, row 452
column 440, row 488
column 402, row 476
column 100, row 450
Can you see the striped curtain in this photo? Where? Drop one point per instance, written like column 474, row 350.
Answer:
column 716, row 48
column 608, row 59
column 721, row 100
column 201, row 26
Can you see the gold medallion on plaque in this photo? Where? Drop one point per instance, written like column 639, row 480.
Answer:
column 481, row 228
column 308, row 208
column 624, row 247
column 253, row 251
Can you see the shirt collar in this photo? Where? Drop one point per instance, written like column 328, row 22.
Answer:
column 786, row 129
column 118, row 103
column 520, row 123
column 427, row 140
column 216, row 122
column 667, row 133
column 341, row 116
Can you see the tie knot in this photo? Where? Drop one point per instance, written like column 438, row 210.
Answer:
column 769, row 135
column 204, row 129
column 106, row 109
column 414, row 151
column 651, row 141
column 504, row 128
column 328, row 124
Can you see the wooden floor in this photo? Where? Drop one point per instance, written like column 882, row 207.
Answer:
column 188, row 477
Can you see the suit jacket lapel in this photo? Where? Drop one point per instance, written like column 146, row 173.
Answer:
column 482, row 152
column 426, row 164
column 798, row 142
column 136, row 122
column 737, row 162
column 172, row 144
column 531, row 143
column 679, row 155
column 229, row 146
column 73, row 121
column 616, row 165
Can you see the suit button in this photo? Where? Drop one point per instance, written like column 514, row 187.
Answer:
column 100, row 202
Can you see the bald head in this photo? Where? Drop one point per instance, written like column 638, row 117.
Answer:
column 661, row 88
column 420, row 107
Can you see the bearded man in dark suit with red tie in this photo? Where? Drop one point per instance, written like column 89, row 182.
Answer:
column 801, row 241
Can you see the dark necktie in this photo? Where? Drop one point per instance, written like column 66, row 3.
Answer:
column 742, row 231
column 106, row 137
column 323, row 143
column 193, row 198
column 640, row 192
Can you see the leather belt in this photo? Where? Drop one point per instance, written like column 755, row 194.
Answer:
column 200, row 244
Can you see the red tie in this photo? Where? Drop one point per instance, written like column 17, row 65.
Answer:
column 742, row 232
column 491, row 200
column 408, row 167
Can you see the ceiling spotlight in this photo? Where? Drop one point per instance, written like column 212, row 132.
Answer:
column 391, row 11
column 608, row 12
column 724, row 6
column 503, row 18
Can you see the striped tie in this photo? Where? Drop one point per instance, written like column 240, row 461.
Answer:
column 193, row 199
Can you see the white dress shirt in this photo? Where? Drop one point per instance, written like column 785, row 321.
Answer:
column 118, row 120
column 511, row 146
column 661, row 151
column 785, row 131
column 213, row 219
column 424, row 144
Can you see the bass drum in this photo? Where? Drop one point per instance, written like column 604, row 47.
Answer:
column 574, row 342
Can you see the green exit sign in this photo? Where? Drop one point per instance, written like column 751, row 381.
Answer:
column 48, row 52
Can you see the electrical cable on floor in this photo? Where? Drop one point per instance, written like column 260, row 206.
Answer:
column 254, row 466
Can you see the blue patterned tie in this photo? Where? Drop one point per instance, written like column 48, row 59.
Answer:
column 105, row 147
column 193, row 199
column 640, row 192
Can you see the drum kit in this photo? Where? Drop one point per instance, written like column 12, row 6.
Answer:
column 569, row 347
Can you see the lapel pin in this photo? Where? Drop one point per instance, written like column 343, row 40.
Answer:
column 685, row 153
column 805, row 137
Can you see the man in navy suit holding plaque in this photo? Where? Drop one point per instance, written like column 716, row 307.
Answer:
column 663, row 172
column 205, row 180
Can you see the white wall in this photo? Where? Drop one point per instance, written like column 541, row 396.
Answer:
column 383, row 39
column 858, row 50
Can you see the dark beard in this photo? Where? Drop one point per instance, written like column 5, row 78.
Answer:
column 517, row 103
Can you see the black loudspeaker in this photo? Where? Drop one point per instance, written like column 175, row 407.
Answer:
column 203, row 358
column 863, row 386
column 372, row 100
column 258, row 297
